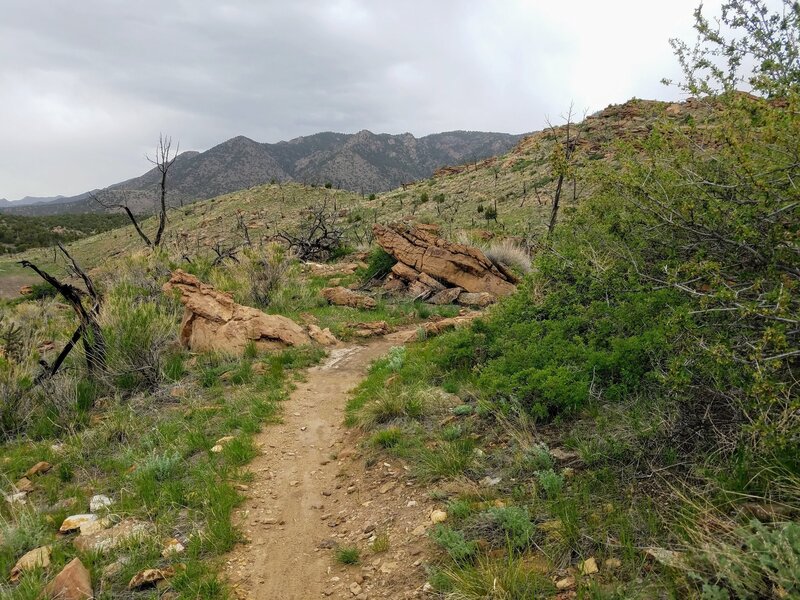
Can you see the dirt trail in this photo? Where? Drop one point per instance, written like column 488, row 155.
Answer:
column 308, row 495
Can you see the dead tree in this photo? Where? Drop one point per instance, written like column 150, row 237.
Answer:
column 164, row 159
column 241, row 225
column 320, row 237
column 562, row 161
column 88, row 330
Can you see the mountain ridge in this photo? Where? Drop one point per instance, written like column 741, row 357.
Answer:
column 363, row 162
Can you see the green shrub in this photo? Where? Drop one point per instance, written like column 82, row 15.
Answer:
column 516, row 525
column 454, row 543
column 42, row 290
column 750, row 561
column 138, row 335
column 550, row 482
column 379, row 264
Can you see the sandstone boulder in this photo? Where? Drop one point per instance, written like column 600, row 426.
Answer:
column 371, row 328
column 105, row 540
column 38, row 469
column 418, row 285
column 36, row 558
column 479, row 299
column 72, row 583
column 343, row 297
column 431, row 328
column 394, row 285
column 213, row 321
column 421, row 250
column 448, row 296
column 323, row 337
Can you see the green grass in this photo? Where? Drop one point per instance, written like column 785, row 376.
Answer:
column 157, row 465
column 348, row 555
column 381, row 543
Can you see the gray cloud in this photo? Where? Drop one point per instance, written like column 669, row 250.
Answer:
column 86, row 87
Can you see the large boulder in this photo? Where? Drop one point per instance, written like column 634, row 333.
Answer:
column 101, row 540
column 421, row 250
column 213, row 321
column 480, row 299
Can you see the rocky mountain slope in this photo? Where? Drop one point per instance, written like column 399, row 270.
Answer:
column 363, row 162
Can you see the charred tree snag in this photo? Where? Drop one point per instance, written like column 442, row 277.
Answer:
column 89, row 329
column 164, row 159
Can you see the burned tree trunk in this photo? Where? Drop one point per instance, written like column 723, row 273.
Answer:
column 163, row 161
column 89, row 330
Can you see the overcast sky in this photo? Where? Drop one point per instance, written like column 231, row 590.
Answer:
column 86, row 86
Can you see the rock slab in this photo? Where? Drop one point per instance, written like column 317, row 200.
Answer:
column 458, row 265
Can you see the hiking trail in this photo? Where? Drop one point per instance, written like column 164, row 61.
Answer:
column 311, row 494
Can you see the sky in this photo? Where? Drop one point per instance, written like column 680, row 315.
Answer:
column 86, row 87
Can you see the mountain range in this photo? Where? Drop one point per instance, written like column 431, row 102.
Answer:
column 363, row 162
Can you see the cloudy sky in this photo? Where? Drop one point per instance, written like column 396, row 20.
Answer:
column 86, row 87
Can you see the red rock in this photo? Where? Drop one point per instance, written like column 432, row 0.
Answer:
column 344, row 297
column 72, row 583
column 213, row 321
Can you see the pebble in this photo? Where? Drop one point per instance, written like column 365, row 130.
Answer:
column 565, row 583
column 438, row 516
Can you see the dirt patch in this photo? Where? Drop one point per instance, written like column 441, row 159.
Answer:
column 312, row 493
column 10, row 285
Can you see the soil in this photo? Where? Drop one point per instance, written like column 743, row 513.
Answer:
column 312, row 492
column 10, row 285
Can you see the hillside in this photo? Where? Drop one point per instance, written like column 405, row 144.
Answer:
column 610, row 429
column 363, row 162
column 520, row 182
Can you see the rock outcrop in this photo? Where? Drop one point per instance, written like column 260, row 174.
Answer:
column 213, row 321
column 323, row 337
column 371, row 328
column 341, row 296
column 479, row 299
column 426, row 261
column 448, row 296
